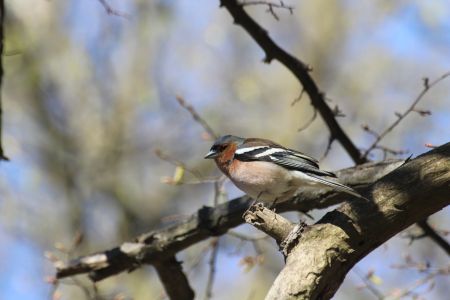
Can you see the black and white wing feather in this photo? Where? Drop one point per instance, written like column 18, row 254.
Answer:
column 287, row 158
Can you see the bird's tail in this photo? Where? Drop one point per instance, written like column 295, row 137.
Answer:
column 338, row 186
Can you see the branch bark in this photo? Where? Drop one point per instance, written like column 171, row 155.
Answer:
column 316, row 267
column 207, row 222
column 283, row 231
column 269, row 222
column 174, row 280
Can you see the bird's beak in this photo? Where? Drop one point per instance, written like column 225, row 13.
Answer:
column 211, row 154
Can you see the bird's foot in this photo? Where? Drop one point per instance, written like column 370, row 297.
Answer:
column 253, row 203
column 272, row 205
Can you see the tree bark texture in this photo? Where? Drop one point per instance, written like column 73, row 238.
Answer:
column 317, row 265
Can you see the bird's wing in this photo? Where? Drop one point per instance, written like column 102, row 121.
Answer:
column 287, row 158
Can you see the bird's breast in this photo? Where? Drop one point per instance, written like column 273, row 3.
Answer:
column 263, row 181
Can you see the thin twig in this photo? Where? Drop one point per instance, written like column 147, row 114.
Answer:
column 212, row 268
column 328, row 149
column 310, row 121
column 2, row 22
column 368, row 283
column 178, row 177
column 218, row 187
column 196, row 116
column 432, row 234
column 387, row 151
column 270, row 6
column 427, row 85
column 370, row 131
column 338, row 112
column 428, row 145
column 299, row 98
column 445, row 271
column 73, row 281
column 245, row 237
column 112, row 11
column 411, row 264
column 165, row 157
column 195, row 262
column 53, row 292
column 219, row 190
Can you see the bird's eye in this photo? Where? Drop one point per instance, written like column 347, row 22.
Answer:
column 219, row 148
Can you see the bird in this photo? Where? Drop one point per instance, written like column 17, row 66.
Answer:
column 269, row 172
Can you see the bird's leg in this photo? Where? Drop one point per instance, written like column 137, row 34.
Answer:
column 252, row 203
column 255, row 200
column 272, row 205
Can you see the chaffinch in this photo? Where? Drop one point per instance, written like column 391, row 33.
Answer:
column 267, row 171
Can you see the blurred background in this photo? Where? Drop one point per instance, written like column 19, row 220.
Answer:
column 88, row 97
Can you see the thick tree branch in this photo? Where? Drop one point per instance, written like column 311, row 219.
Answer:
column 174, row 280
column 207, row 222
column 299, row 69
column 316, row 267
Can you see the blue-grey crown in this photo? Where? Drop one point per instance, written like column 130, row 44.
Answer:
column 225, row 139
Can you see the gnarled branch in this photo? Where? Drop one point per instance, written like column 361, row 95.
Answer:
column 162, row 244
column 316, row 267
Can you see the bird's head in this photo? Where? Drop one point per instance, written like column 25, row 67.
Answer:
column 224, row 146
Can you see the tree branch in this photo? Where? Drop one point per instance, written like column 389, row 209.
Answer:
column 196, row 117
column 298, row 68
column 162, row 244
column 427, row 85
column 432, row 234
column 316, row 267
column 112, row 11
column 174, row 280
column 212, row 268
column 283, row 231
column 269, row 222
